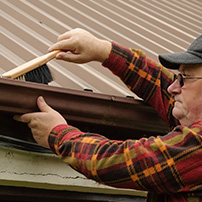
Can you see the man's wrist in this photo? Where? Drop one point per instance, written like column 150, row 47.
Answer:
column 104, row 50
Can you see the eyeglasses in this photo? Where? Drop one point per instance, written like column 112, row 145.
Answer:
column 181, row 77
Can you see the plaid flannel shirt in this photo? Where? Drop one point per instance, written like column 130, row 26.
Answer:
column 169, row 167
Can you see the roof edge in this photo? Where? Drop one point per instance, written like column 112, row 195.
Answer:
column 85, row 109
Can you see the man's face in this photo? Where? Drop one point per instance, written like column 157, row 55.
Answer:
column 188, row 98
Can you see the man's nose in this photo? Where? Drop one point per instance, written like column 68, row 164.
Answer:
column 174, row 88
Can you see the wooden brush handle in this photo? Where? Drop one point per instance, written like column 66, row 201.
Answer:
column 29, row 66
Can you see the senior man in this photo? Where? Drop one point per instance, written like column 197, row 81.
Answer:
column 169, row 167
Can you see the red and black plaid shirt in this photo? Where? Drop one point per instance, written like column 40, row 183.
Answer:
column 168, row 167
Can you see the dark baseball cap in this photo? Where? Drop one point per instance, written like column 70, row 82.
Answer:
column 193, row 55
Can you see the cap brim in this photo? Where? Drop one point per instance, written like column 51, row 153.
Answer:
column 174, row 60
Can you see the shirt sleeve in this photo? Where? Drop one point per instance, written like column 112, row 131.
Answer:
column 145, row 77
column 164, row 164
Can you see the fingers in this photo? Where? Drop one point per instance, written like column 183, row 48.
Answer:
column 64, row 45
column 70, row 57
column 64, row 36
column 80, row 46
column 66, row 41
column 43, row 105
column 70, row 41
column 41, row 123
column 25, row 118
column 71, row 33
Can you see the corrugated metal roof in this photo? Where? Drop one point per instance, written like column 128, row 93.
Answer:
column 29, row 27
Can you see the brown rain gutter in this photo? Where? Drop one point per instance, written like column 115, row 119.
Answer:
column 112, row 116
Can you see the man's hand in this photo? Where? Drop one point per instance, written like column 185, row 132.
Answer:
column 79, row 46
column 41, row 123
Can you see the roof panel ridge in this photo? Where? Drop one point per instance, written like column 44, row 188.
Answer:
column 107, row 80
column 114, row 31
column 178, row 8
column 27, row 15
column 159, row 20
column 32, row 6
column 28, row 30
column 171, row 14
column 76, row 20
column 143, row 27
column 153, row 25
column 191, row 5
column 73, row 77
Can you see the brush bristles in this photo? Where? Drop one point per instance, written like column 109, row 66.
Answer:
column 41, row 74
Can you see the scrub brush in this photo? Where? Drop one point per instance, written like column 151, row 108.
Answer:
column 35, row 70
